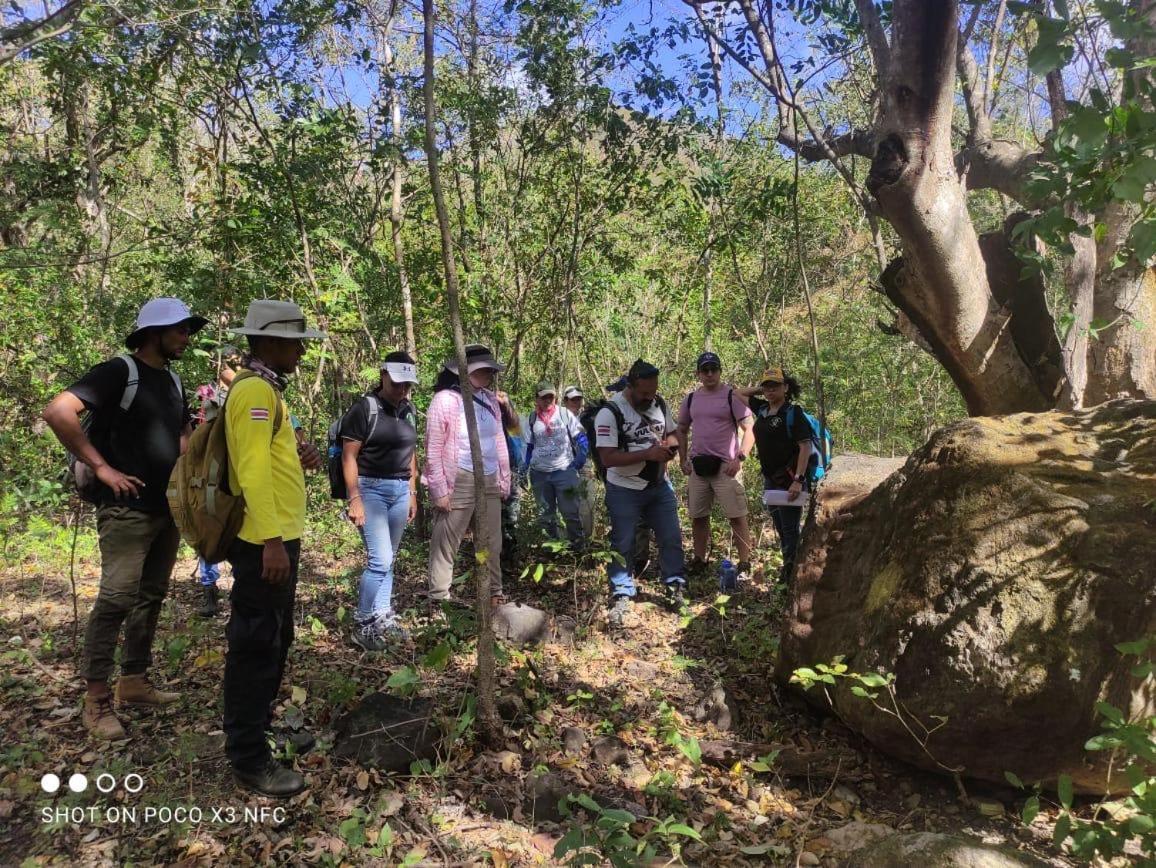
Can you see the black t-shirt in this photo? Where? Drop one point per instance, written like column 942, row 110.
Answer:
column 388, row 451
column 143, row 441
column 778, row 447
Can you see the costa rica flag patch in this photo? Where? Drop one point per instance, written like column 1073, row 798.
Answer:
column 259, row 414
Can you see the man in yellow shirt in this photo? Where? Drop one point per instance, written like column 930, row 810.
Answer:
column 266, row 464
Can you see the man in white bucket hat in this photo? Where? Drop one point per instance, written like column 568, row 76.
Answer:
column 125, row 449
column 265, row 466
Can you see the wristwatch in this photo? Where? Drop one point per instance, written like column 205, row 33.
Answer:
column 741, row 457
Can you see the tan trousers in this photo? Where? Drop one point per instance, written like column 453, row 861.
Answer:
column 449, row 528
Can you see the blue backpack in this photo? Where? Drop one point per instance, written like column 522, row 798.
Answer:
column 822, row 444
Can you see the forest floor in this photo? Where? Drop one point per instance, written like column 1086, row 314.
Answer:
column 781, row 786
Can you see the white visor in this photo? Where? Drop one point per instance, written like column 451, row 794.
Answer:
column 401, row 372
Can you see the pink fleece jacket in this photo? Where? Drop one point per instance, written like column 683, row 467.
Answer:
column 441, row 443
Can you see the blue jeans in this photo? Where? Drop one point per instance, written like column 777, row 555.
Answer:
column 658, row 507
column 555, row 491
column 386, row 504
column 209, row 573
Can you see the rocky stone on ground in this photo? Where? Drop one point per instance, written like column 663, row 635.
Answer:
column 520, row 624
column 573, row 741
column 718, row 708
column 610, row 750
column 992, row 574
column 933, row 850
column 387, row 733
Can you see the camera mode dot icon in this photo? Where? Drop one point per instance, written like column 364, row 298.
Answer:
column 78, row 783
column 50, row 783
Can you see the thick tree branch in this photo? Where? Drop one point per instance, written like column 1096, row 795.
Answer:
column 20, row 37
column 876, row 36
column 974, row 97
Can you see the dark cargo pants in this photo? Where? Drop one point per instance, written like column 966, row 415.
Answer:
column 259, row 634
column 137, row 554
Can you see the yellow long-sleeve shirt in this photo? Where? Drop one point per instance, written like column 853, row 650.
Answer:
column 264, row 468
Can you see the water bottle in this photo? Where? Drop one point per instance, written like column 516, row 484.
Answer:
column 728, row 576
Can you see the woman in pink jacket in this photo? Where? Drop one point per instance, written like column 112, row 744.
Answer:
column 449, row 473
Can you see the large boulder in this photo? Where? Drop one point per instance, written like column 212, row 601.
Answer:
column 387, row 733
column 932, row 850
column 992, row 575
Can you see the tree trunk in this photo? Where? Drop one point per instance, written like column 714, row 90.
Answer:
column 943, row 286
column 487, row 707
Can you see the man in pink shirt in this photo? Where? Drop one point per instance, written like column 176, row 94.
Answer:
column 715, row 419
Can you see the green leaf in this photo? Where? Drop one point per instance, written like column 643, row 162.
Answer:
column 1143, row 240
column 1051, row 50
column 1085, row 131
column 1014, row 780
column 438, row 656
column 1134, row 181
column 1063, row 826
column 691, row 749
column 1031, row 810
column 539, row 571
column 404, row 680
column 684, row 830
column 874, row 679
column 1111, row 712
column 1134, row 648
column 1064, row 790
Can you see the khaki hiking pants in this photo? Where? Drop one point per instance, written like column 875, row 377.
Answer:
column 449, row 528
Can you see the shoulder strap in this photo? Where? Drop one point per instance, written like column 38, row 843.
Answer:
column 731, row 407
column 621, row 420
column 130, row 386
column 689, row 401
column 371, row 404
column 530, row 429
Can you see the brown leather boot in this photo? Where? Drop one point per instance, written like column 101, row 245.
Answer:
column 100, row 719
column 136, row 690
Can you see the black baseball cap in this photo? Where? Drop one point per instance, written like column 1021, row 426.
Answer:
column 706, row 360
column 641, row 370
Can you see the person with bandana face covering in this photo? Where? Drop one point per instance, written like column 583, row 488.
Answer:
column 556, row 448
column 379, row 462
column 266, row 466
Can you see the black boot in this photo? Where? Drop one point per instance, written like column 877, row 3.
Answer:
column 209, row 596
column 273, row 780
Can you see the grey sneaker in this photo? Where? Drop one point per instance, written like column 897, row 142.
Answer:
column 367, row 638
column 616, row 616
column 389, row 629
column 676, row 596
column 744, row 572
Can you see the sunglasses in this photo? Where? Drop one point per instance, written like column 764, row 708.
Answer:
column 709, row 369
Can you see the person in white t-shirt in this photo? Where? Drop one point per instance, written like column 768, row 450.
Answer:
column 636, row 438
column 556, row 449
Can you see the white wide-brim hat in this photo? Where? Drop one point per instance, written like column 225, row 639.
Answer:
column 163, row 313
column 276, row 319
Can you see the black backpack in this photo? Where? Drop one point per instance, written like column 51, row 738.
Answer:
column 587, row 421
column 337, row 489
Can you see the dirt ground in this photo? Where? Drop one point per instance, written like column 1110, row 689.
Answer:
column 780, row 785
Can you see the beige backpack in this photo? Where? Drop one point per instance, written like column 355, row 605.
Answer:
column 208, row 515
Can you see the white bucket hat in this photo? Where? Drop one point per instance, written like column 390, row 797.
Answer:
column 276, row 319
column 163, row 313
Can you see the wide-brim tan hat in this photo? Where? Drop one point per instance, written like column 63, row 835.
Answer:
column 276, row 319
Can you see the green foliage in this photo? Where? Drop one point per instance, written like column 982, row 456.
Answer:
column 598, row 835
column 1114, row 824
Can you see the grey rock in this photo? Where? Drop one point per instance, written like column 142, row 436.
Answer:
column 932, row 850
column 387, row 733
column 718, row 708
column 544, row 794
column 521, row 624
column 985, row 576
column 610, row 750
column 573, row 741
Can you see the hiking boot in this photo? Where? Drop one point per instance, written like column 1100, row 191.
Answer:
column 99, row 718
column 273, row 780
column 294, row 742
column 209, row 597
column 676, row 596
column 137, row 690
column 367, row 638
column 616, row 616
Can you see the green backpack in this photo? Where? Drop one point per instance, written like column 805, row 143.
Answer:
column 207, row 513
